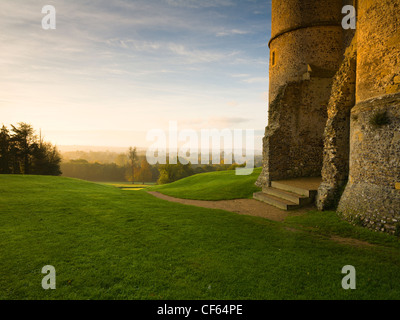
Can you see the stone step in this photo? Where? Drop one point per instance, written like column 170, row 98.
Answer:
column 294, row 189
column 275, row 201
column 290, row 196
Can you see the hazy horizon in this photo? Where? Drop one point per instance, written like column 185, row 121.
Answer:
column 113, row 70
column 120, row 149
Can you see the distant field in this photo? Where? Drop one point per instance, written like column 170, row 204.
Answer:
column 106, row 243
column 220, row 185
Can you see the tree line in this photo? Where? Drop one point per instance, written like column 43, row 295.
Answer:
column 132, row 166
column 23, row 152
column 83, row 169
column 129, row 166
column 111, row 172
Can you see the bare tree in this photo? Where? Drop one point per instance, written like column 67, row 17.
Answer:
column 133, row 157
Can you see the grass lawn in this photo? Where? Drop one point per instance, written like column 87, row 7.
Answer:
column 221, row 185
column 106, row 243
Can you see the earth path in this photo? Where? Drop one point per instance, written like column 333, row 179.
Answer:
column 258, row 209
column 241, row 206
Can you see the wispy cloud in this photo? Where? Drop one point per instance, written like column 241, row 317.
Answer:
column 256, row 80
column 119, row 64
column 200, row 56
column 232, row 32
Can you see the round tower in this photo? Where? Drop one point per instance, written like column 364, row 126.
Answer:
column 372, row 195
column 305, row 53
column 306, row 38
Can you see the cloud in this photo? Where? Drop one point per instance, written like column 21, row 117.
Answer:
column 135, row 44
column 176, row 51
column 232, row 33
column 199, row 56
column 256, row 80
column 240, row 75
column 114, row 64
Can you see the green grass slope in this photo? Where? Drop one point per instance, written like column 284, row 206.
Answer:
column 220, row 185
column 106, row 243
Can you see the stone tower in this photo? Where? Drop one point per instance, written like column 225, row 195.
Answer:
column 334, row 108
column 372, row 195
column 305, row 53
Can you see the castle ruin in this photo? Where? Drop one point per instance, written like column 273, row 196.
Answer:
column 334, row 108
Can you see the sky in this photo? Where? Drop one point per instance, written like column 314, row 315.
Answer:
column 115, row 69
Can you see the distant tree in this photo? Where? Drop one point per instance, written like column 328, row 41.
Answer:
column 145, row 174
column 46, row 159
column 174, row 172
column 155, row 173
column 22, row 152
column 133, row 157
column 166, row 174
column 4, row 151
column 122, row 160
column 235, row 165
column 184, row 171
column 22, row 140
column 82, row 169
column 199, row 170
column 208, row 168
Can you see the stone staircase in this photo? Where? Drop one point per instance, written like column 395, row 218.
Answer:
column 290, row 194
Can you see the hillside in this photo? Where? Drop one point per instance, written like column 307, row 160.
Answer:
column 220, row 185
column 106, row 243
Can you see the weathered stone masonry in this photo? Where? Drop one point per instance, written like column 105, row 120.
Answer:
column 371, row 198
column 335, row 106
column 306, row 49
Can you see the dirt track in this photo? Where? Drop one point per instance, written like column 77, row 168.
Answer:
column 259, row 209
column 241, row 206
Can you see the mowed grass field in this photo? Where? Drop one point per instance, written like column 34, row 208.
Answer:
column 107, row 243
column 221, row 185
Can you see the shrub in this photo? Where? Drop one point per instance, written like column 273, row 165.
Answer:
column 379, row 119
